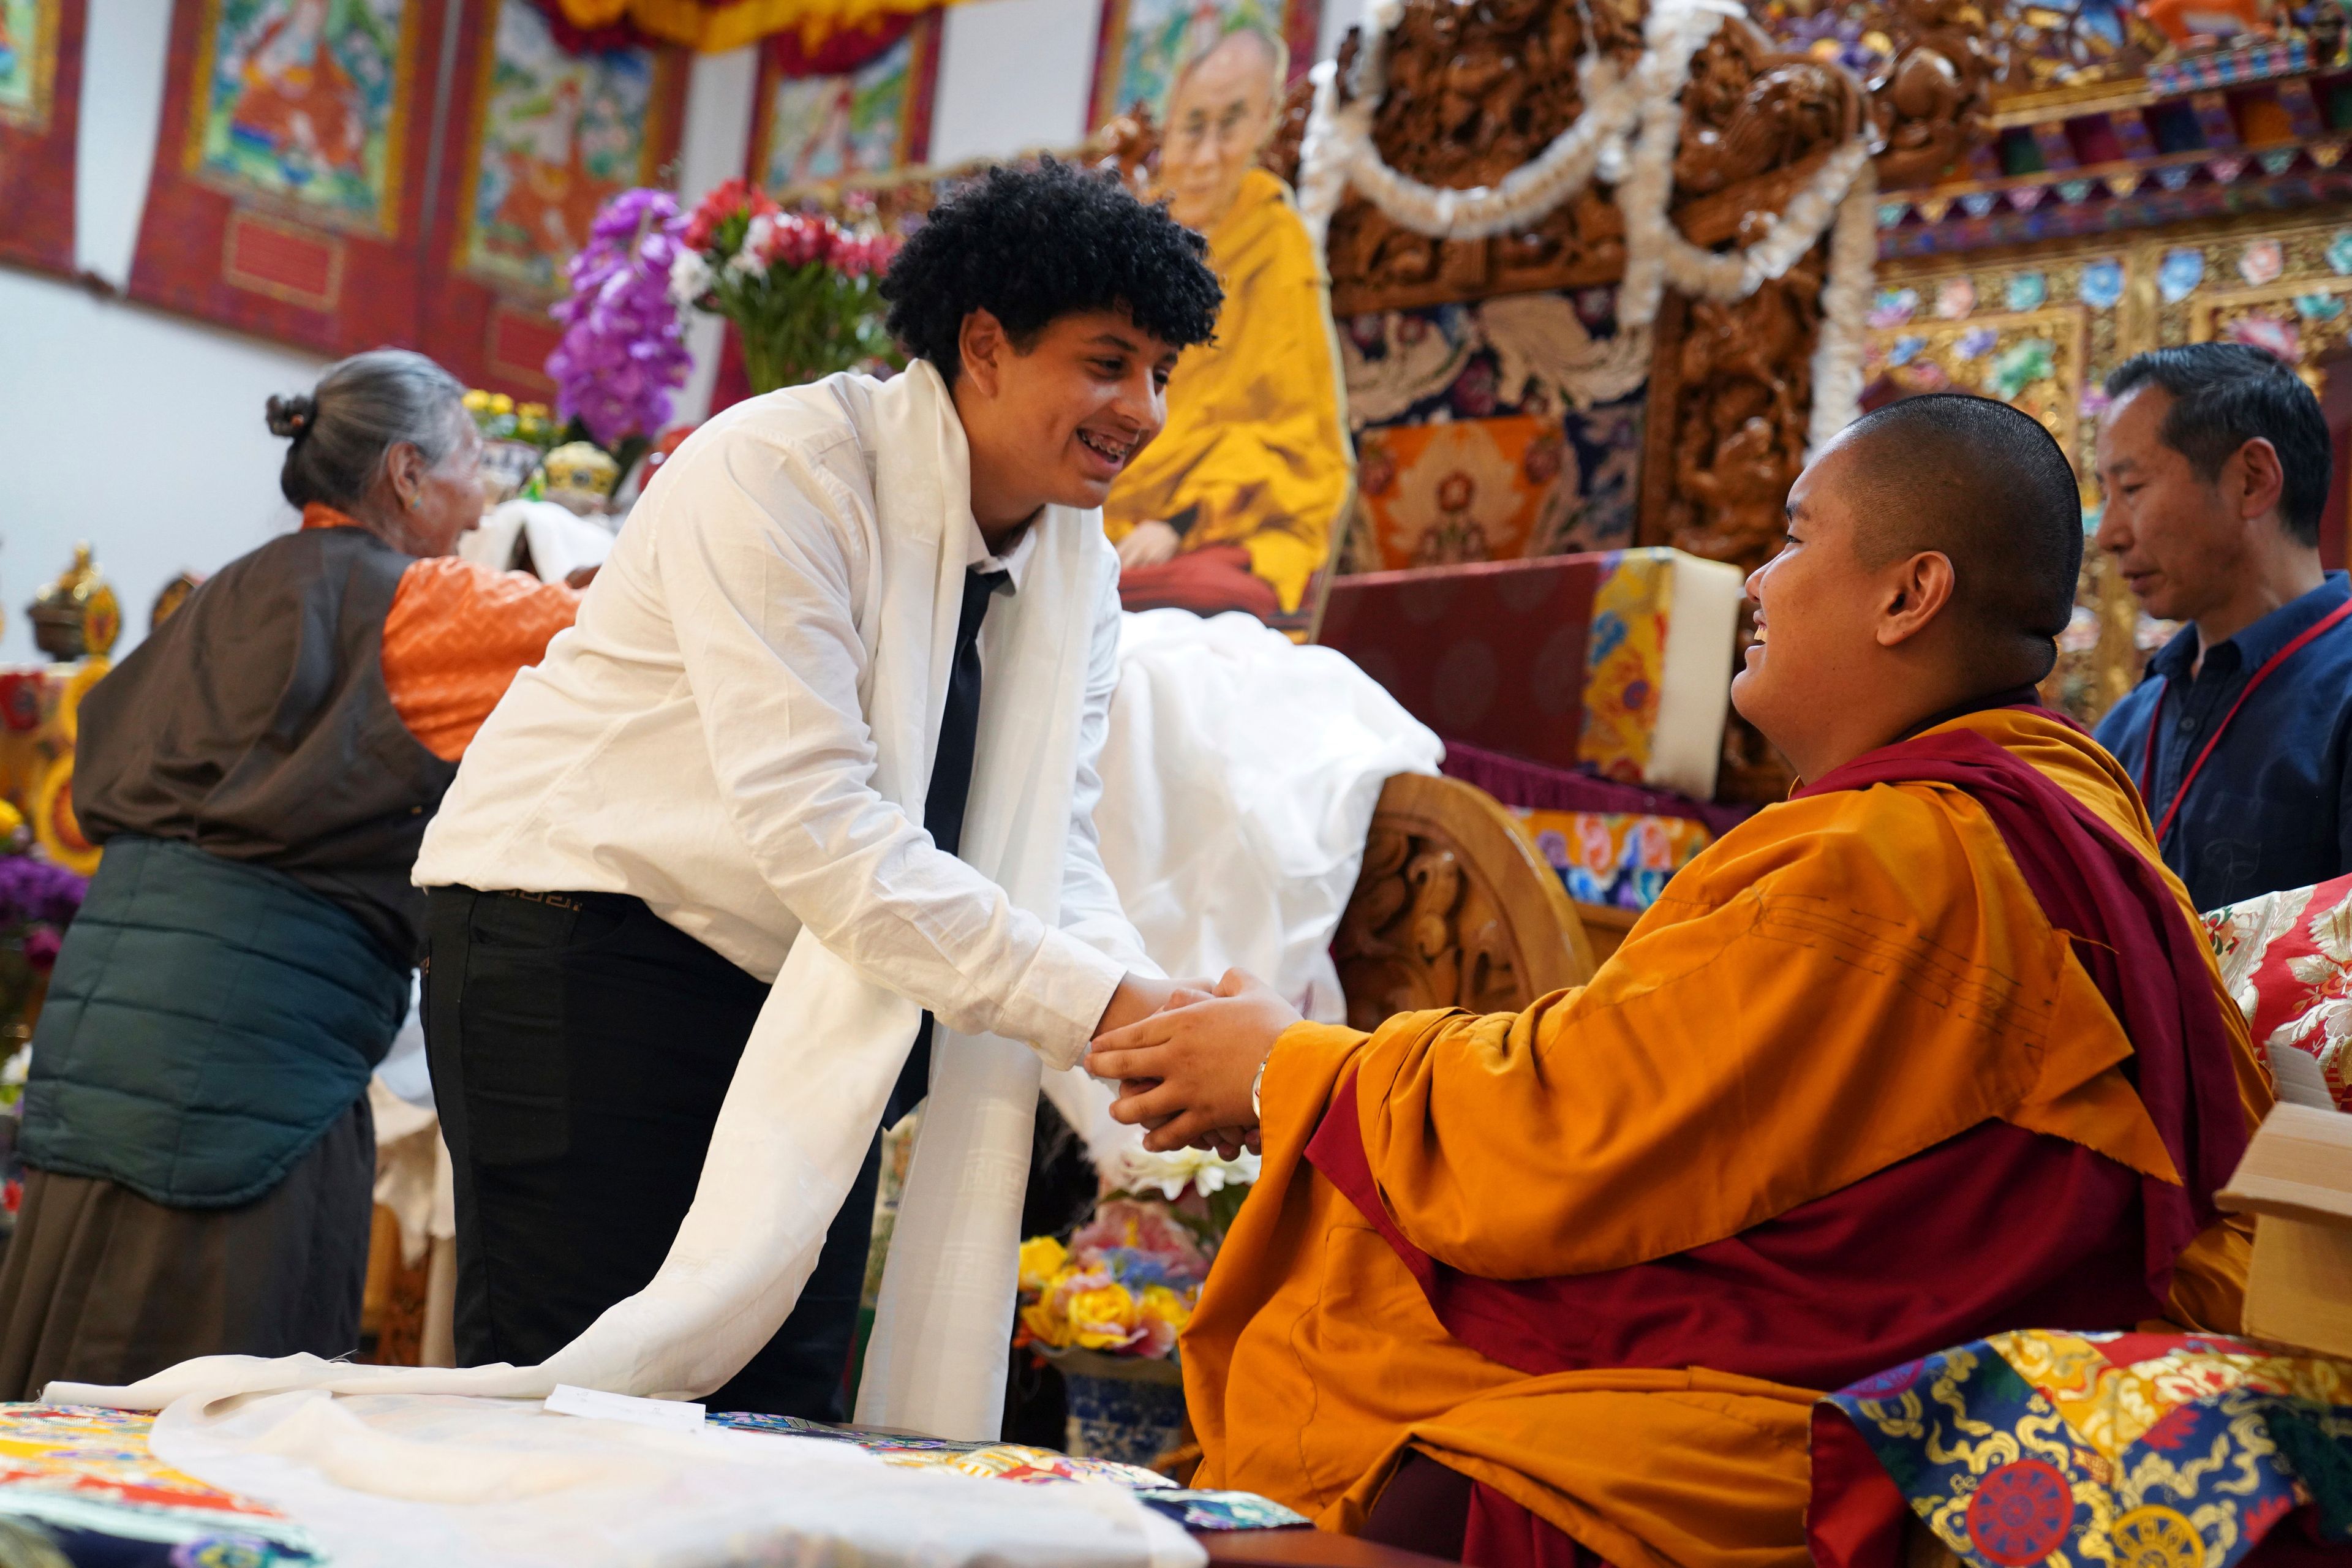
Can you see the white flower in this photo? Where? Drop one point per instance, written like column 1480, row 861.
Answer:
column 1137, row 1171
column 747, row 258
column 690, row 278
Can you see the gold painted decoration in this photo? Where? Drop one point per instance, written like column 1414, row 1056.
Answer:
column 77, row 614
column 54, row 827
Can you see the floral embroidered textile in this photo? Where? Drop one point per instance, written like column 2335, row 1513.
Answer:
column 82, row 1468
column 1623, row 859
column 2287, row 959
column 2070, row 1450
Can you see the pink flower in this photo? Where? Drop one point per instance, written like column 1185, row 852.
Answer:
column 1140, row 1243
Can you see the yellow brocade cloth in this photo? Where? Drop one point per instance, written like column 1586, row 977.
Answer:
column 1839, row 984
column 714, row 27
column 1254, row 444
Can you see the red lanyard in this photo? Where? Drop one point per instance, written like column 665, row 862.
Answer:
column 2156, row 719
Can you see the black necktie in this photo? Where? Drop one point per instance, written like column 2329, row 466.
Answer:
column 944, row 804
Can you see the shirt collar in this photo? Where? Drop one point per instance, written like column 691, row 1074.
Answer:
column 1013, row 563
column 2258, row 642
column 2289, row 621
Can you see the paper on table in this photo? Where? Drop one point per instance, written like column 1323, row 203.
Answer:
column 669, row 1414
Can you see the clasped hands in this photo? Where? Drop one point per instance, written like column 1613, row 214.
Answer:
column 1186, row 1070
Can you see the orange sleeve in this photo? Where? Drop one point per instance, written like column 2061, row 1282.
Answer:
column 456, row 637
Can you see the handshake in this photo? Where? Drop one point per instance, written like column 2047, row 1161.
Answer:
column 1188, row 1056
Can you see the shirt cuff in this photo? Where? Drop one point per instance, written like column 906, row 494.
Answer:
column 1061, row 999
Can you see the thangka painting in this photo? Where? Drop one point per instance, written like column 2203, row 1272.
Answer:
column 554, row 136
column 28, row 60
column 858, row 105
column 1143, row 44
column 301, row 103
column 40, row 92
column 286, row 198
column 1479, row 435
column 541, row 137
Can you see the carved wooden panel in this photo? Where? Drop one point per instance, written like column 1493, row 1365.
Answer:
column 1453, row 910
column 1476, row 88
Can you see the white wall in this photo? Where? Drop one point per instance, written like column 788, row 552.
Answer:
column 142, row 433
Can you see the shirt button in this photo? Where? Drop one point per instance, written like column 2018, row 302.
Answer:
column 2187, row 725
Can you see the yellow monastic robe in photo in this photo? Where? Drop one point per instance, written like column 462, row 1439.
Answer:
column 1253, row 438
column 1838, row 984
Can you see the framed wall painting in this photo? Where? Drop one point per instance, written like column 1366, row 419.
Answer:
column 539, row 139
column 859, row 105
column 1140, row 45
column 286, row 198
column 40, row 103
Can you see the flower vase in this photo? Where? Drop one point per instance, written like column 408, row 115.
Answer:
column 1126, row 1408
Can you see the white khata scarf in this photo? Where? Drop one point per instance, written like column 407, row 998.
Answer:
column 828, row 1044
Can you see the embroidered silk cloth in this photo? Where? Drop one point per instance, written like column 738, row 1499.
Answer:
column 76, row 1469
column 2070, row 1450
column 2286, row 958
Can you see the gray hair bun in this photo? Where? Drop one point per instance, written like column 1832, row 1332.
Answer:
column 291, row 416
column 361, row 408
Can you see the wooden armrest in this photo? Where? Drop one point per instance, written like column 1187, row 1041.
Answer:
column 1453, row 910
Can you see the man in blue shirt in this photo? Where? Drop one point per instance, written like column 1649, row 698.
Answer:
column 2214, row 460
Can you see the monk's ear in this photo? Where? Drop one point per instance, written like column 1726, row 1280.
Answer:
column 1913, row 593
column 983, row 344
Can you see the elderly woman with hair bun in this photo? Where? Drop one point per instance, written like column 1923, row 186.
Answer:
column 260, row 772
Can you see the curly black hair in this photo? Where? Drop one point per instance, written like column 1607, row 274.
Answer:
column 1032, row 243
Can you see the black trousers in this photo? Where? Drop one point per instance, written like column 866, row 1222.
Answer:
column 580, row 1048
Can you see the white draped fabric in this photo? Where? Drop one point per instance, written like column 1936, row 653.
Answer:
column 830, row 1041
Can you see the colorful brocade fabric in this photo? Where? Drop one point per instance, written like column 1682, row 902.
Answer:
column 1194, row 1509
column 2286, row 958
column 70, row 1469
column 1619, row 859
column 2091, row 1450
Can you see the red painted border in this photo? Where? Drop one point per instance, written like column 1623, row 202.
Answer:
column 37, row 162
column 181, row 262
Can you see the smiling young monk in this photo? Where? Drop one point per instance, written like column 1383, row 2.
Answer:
column 1868, row 1080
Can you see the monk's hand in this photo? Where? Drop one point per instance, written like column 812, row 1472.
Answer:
column 1148, row 544
column 1203, row 1060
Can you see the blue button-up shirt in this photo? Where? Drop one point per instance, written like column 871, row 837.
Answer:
column 2273, row 807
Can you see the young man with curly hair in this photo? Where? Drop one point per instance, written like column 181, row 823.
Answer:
column 818, row 758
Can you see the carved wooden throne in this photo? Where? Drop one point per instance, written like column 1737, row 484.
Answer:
column 1453, row 910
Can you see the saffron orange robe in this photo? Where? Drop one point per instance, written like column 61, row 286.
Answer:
column 1254, row 452
column 1837, row 992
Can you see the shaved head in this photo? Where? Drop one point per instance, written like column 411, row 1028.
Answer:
column 1984, row 485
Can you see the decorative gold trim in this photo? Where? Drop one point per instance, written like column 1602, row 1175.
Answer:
column 2071, row 102
column 1901, row 270
column 2202, row 309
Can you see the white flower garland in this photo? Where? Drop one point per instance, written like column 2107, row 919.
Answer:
column 1338, row 151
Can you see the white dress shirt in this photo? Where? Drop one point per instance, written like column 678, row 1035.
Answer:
column 699, row 739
